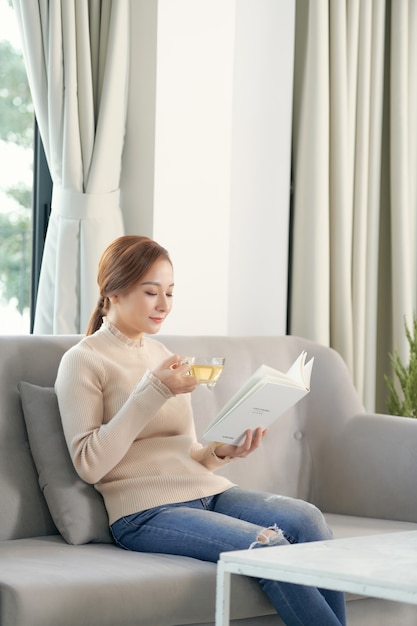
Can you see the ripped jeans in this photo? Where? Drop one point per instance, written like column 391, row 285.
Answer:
column 238, row 519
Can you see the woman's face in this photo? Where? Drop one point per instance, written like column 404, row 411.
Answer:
column 146, row 305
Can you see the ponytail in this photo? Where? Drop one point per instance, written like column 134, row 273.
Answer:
column 96, row 318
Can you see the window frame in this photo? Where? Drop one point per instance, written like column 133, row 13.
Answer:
column 41, row 210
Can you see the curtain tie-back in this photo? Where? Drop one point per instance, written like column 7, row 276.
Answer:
column 83, row 206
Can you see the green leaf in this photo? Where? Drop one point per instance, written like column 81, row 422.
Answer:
column 402, row 387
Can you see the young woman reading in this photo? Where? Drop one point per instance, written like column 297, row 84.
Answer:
column 125, row 402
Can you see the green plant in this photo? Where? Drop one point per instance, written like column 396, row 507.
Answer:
column 405, row 402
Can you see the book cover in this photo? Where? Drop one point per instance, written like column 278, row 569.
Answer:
column 266, row 395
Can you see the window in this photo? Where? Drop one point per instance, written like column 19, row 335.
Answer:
column 16, row 179
column 42, row 197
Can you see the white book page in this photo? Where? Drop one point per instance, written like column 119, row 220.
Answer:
column 297, row 377
column 260, row 409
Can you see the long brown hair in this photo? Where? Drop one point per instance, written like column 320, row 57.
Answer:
column 125, row 261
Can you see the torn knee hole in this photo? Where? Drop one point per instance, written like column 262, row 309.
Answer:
column 266, row 535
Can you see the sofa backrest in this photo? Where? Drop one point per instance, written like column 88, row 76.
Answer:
column 33, row 358
column 282, row 464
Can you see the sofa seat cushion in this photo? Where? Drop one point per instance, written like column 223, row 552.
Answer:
column 351, row 526
column 45, row 581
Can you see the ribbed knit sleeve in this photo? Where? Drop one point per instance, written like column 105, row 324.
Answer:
column 97, row 447
column 207, row 456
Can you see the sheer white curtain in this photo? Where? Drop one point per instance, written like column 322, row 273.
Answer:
column 353, row 276
column 77, row 60
column 403, row 141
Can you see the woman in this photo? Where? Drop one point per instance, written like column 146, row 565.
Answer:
column 126, row 411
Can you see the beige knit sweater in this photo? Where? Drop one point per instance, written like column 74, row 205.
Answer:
column 125, row 431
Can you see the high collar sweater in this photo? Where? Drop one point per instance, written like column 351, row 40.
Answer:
column 125, row 431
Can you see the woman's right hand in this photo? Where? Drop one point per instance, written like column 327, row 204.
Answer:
column 174, row 373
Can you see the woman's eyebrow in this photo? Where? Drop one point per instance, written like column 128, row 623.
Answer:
column 154, row 282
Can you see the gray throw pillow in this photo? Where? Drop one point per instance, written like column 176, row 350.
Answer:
column 76, row 507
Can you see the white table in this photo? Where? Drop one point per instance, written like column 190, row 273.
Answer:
column 382, row 566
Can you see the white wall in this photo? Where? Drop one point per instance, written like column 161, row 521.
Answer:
column 207, row 159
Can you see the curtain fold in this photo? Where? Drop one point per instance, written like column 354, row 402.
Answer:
column 355, row 189
column 77, row 59
column 310, row 292
column 403, row 141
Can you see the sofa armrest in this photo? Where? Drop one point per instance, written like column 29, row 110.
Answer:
column 370, row 469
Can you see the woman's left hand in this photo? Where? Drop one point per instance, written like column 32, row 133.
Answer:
column 253, row 440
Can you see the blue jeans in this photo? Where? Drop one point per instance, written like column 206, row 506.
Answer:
column 236, row 520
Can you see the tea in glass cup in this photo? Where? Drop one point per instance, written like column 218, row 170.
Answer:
column 207, row 369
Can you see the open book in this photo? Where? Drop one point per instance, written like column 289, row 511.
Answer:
column 260, row 401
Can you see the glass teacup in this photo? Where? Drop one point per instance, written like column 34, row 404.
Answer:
column 207, row 369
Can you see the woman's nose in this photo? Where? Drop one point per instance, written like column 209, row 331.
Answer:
column 162, row 304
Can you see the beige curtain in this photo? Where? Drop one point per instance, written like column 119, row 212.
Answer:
column 353, row 280
column 77, row 60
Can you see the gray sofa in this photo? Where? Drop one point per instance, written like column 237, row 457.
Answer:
column 360, row 469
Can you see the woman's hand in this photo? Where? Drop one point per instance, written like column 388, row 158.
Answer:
column 253, row 440
column 174, row 373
